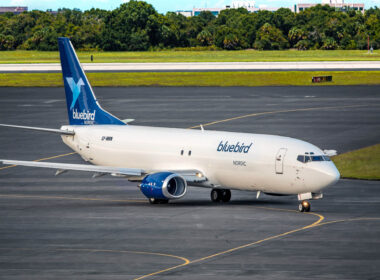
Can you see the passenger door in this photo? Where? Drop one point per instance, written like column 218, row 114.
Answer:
column 279, row 163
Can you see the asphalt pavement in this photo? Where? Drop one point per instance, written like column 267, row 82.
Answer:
column 76, row 227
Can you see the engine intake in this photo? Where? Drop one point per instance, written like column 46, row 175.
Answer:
column 163, row 185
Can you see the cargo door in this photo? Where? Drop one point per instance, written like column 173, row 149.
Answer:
column 279, row 163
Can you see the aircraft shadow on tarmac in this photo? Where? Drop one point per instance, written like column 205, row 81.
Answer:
column 206, row 203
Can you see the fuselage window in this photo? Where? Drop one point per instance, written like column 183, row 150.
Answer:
column 181, row 152
column 189, row 153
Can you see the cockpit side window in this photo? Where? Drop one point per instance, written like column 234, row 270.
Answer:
column 301, row 158
column 326, row 158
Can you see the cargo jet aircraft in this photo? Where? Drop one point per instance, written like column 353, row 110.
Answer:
column 166, row 160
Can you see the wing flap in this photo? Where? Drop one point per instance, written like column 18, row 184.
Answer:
column 191, row 176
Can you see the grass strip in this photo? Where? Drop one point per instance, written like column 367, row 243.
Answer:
column 360, row 164
column 292, row 78
column 192, row 56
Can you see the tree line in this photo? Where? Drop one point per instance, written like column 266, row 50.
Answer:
column 137, row 26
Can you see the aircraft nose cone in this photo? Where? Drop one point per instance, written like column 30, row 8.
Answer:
column 331, row 175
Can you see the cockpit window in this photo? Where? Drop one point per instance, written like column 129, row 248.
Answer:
column 317, row 158
column 307, row 158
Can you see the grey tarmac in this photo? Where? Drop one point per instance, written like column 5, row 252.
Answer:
column 74, row 226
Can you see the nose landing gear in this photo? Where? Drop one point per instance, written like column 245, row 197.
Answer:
column 218, row 195
column 304, row 206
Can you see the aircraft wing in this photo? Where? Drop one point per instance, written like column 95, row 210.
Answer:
column 191, row 176
column 133, row 174
column 62, row 167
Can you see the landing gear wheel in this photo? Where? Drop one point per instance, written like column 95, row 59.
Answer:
column 226, row 195
column 153, row 200
column 220, row 195
column 304, row 206
column 216, row 195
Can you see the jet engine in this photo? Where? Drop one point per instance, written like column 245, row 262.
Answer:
column 163, row 186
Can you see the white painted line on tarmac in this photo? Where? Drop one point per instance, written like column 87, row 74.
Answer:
column 199, row 66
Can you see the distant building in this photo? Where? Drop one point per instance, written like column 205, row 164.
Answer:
column 14, row 10
column 248, row 5
column 214, row 11
column 337, row 4
column 187, row 13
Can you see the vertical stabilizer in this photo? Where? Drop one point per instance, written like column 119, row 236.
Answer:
column 82, row 106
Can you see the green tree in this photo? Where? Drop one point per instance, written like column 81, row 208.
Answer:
column 7, row 42
column 205, row 38
column 295, row 35
column 132, row 26
column 270, row 38
column 329, row 44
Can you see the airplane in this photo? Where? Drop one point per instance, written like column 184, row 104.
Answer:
column 165, row 161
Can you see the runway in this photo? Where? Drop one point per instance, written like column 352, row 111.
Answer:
column 198, row 66
column 73, row 226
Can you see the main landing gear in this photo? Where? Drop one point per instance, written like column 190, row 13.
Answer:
column 304, row 206
column 153, row 200
column 220, row 195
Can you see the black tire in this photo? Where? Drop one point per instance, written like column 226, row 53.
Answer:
column 226, row 195
column 215, row 195
column 304, row 206
column 152, row 200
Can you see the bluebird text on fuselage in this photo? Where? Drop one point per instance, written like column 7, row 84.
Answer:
column 234, row 148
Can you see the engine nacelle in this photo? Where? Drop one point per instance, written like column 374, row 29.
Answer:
column 163, row 185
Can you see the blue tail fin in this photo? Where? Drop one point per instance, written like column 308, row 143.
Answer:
column 82, row 106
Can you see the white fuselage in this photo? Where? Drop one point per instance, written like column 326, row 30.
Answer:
column 242, row 161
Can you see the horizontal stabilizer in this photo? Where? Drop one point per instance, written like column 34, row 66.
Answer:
column 127, row 121
column 78, row 167
column 51, row 130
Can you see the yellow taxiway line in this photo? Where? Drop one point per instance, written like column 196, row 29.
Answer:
column 313, row 225
column 317, row 223
column 71, row 198
column 276, row 112
column 186, row 261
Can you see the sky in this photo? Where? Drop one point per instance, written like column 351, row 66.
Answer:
column 161, row 6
